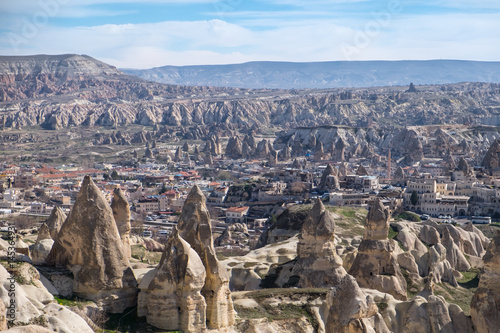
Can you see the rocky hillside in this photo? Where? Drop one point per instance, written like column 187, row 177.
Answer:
column 334, row 74
column 71, row 90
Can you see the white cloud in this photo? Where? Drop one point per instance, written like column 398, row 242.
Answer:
column 279, row 38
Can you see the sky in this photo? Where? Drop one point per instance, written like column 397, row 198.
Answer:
column 152, row 33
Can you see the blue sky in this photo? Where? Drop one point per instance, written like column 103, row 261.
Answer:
column 149, row 33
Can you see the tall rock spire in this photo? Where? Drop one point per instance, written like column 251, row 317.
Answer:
column 89, row 245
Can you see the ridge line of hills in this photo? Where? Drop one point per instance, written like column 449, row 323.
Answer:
column 320, row 75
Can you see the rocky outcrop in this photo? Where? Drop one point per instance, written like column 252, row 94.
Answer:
column 174, row 300
column 89, row 244
column 194, row 227
column 317, row 264
column 361, row 171
column 43, row 245
column 329, row 179
column 464, row 167
column 399, row 174
column 351, row 311
column 43, row 233
column 233, row 148
column 376, row 265
column 121, row 214
column 55, row 221
column 485, row 305
column 491, row 160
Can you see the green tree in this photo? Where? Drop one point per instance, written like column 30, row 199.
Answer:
column 414, row 198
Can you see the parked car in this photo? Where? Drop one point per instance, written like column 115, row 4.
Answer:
column 441, row 216
column 147, row 233
column 424, row 217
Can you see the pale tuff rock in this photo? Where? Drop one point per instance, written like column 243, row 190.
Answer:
column 351, row 311
column 343, row 169
column 43, row 233
column 273, row 159
column 33, row 301
column 453, row 254
column 491, row 160
column 3, row 317
column 317, row 264
column 464, row 167
column 178, row 155
column 376, row 265
column 285, row 154
column 361, row 171
column 174, row 294
column 329, row 179
column 439, row 266
column 194, row 227
column 433, row 314
column 90, row 245
column 149, row 153
column 42, row 246
column 319, row 152
column 429, row 235
column 55, row 221
column 399, row 174
column 338, row 154
column 485, row 305
column 121, row 214
column 233, row 148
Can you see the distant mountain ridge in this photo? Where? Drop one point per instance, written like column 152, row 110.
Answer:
column 320, row 75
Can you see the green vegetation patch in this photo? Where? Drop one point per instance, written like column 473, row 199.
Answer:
column 139, row 252
column 409, row 216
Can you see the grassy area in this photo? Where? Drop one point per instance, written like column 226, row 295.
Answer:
column 352, row 222
column 141, row 253
column 461, row 296
column 393, row 232
column 283, row 309
column 409, row 216
column 74, row 301
column 129, row 322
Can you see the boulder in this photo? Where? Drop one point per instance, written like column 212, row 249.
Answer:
column 351, row 310
column 89, row 244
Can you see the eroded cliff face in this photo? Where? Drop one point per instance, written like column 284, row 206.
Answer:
column 485, row 305
column 74, row 90
column 89, row 244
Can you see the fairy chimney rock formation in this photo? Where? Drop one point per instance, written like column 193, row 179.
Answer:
column 485, row 305
column 399, row 174
column 194, row 227
column 89, row 244
column 318, row 264
column 121, row 214
column 376, row 265
column 174, row 294
column 351, row 311
column 329, row 179
column 43, row 233
column 55, row 221
column 491, row 160
column 361, row 171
